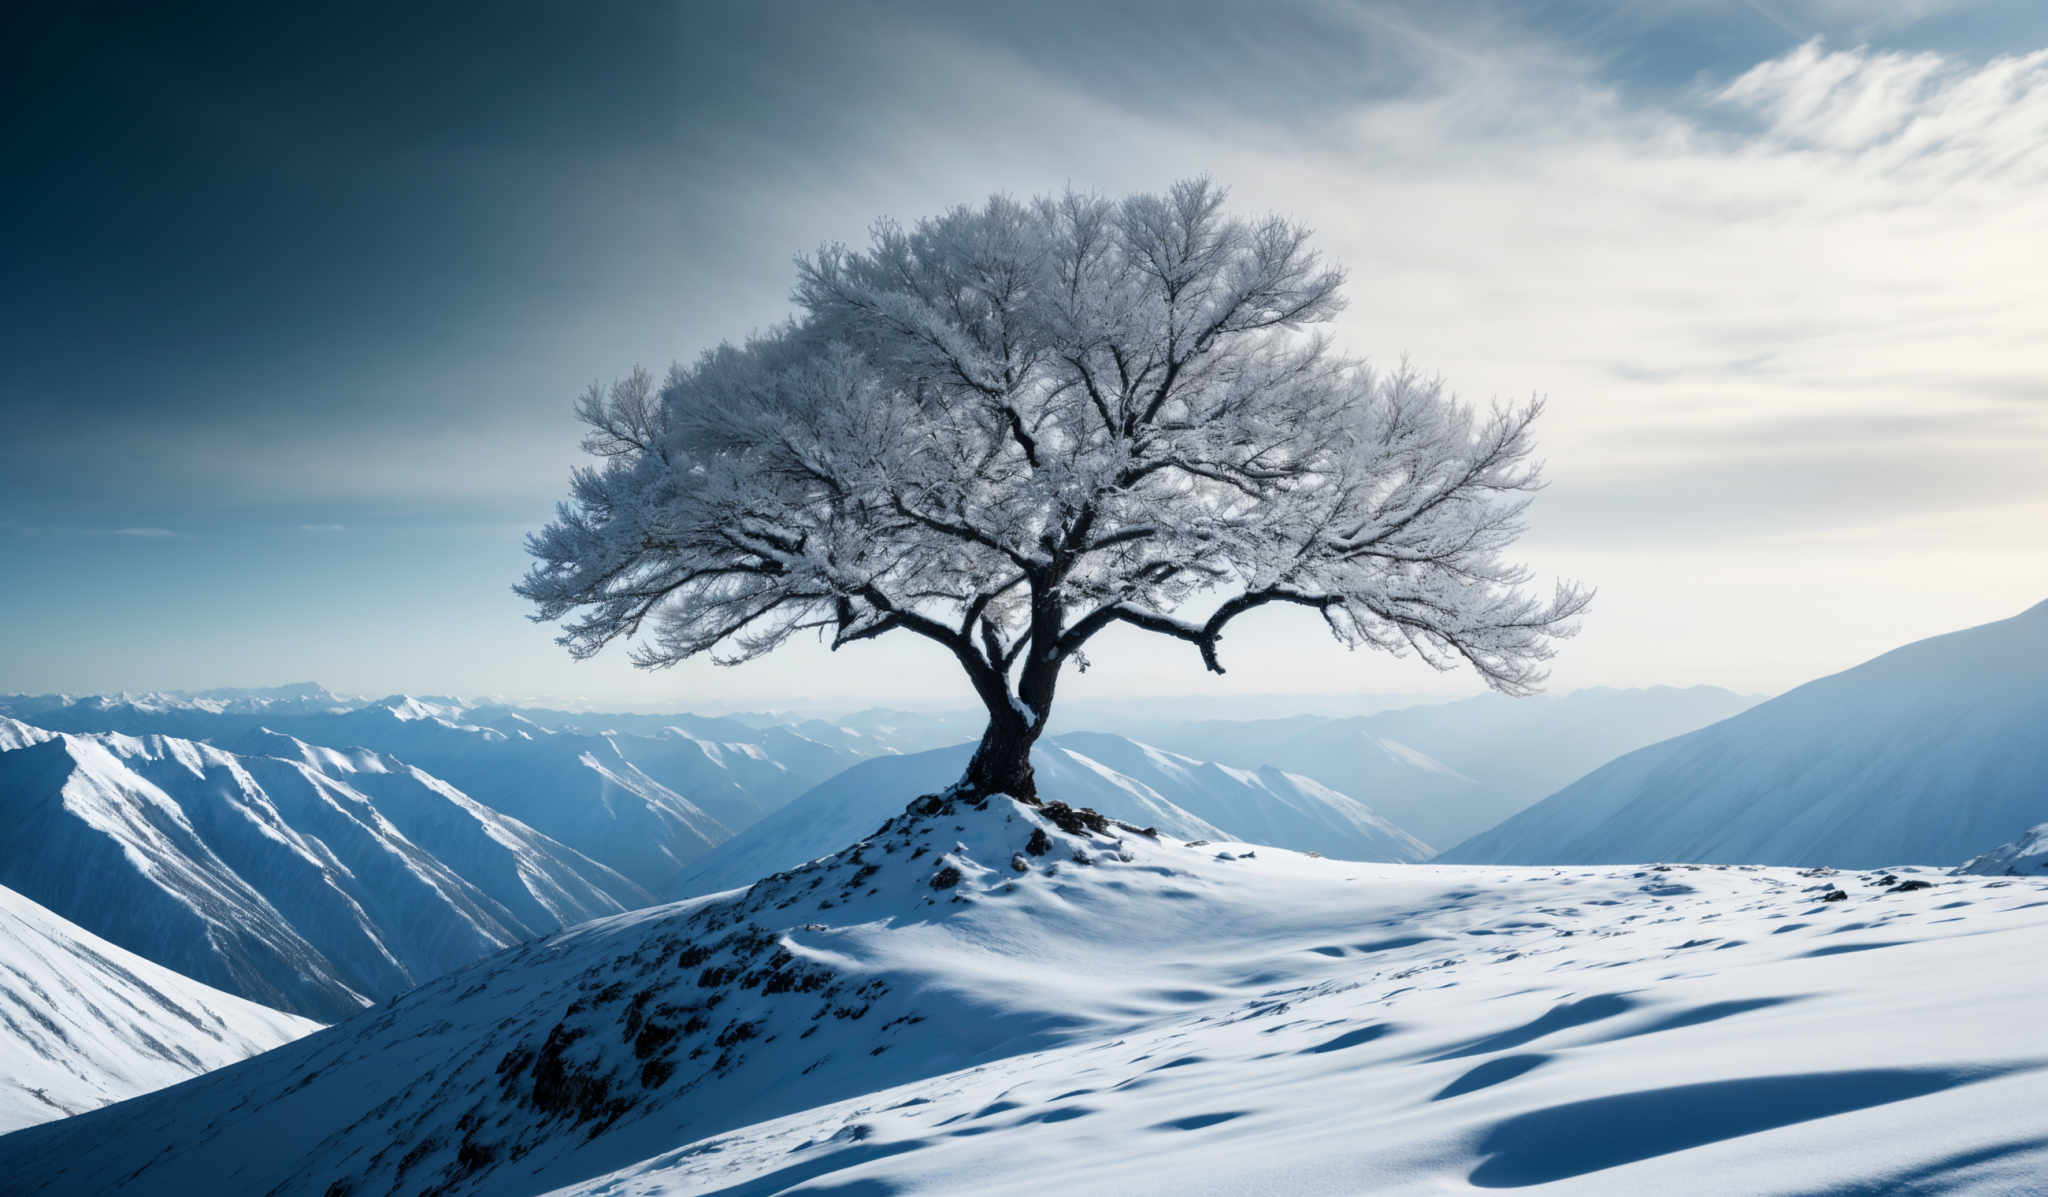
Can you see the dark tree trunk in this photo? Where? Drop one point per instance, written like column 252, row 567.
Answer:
column 1002, row 762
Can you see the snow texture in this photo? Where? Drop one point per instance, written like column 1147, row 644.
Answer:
column 84, row 1023
column 1010, row 998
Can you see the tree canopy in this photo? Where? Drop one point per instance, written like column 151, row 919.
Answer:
column 1011, row 427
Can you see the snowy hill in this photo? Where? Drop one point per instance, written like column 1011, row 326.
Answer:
column 309, row 880
column 2026, row 856
column 1927, row 753
column 83, row 1023
column 1020, row 999
column 1116, row 776
column 1447, row 771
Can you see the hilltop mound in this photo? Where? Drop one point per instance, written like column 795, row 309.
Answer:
column 1011, row 998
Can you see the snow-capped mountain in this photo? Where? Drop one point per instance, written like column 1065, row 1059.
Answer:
column 584, row 791
column 301, row 698
column 544, row 883
column 1261, row 805
column 294, row 880
column 2026, row 856
column 84, row 1023
column 1021, row 999
column 1119, row 777
column 1447, row 771
column 645, row 802
column 1926, row 754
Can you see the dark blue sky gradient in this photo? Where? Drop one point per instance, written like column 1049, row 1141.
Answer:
column 310, row 287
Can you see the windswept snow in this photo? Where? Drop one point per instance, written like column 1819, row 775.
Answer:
column 1927, row 753
column 1023, row 999
column 84, row 1023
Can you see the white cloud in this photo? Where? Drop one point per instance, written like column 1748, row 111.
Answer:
column 1800, row 358
column 1924, row 113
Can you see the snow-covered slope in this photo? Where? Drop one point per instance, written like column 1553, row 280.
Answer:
column 1116, row 776
column 1927, row 753
column 1447, row 771
column 544, row 883
column 584, row 791
column 1014, row 999
column 2026, row 856
column 292, row 880
column 84, row 1023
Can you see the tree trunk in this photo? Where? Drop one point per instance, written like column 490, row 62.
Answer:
column 1002, row 762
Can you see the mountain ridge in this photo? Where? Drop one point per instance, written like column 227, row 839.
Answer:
column 1924, row 753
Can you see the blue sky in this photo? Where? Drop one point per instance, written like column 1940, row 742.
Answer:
column 298, row 299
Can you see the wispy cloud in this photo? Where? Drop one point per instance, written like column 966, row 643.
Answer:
column 322, row 528
column 1924, row 112
column 143, row 533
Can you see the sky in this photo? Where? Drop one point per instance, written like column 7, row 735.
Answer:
column 296, row 300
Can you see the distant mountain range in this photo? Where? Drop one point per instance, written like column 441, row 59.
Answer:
column 1448, row 771
column 315, row 852
column 1144, row 786
column 617, row 797
column 84, row 1023
column 308, row 879
column 1925, row 755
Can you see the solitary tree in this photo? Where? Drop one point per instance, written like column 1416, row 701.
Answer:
column 1010, row 428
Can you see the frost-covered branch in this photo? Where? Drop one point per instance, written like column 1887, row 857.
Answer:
column 1008, row 428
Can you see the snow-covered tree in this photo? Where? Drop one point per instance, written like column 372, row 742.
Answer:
column 1013, row 427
